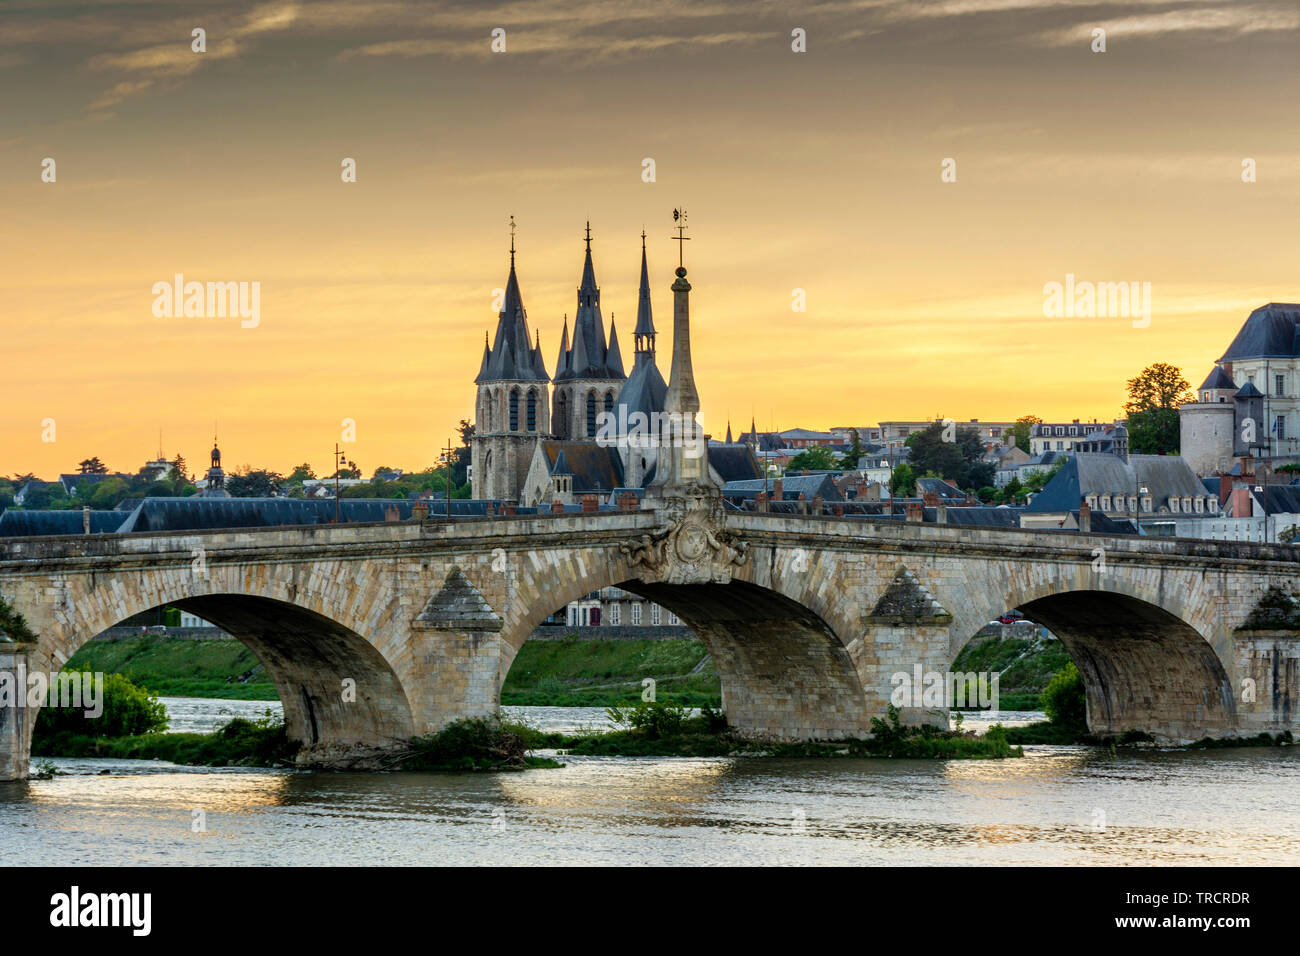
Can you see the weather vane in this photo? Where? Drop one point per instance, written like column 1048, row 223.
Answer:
column 679, row 217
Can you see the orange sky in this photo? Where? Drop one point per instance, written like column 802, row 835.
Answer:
column 818, row 171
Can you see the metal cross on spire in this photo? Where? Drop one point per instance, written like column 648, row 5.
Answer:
column 512, row 240
column 588, row 235
column 679, row 217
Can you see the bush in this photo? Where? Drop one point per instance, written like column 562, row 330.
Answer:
column 128, row 711
column 472, row 743
column 1064, row 700
column 654, row 719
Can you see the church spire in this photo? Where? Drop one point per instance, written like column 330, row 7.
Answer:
column 644, row 334
column 511, row 357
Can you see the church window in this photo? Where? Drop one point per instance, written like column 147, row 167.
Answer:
column 532, row 409
column 514, row 409
column 591, row 414
column 609, row 401
column 562, row 415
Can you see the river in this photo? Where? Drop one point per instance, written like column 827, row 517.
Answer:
column 1059, row 805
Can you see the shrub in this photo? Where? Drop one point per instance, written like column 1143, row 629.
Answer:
column 128, row 710
column 1064, row 700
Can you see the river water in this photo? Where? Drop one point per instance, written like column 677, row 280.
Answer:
column 1058, row 805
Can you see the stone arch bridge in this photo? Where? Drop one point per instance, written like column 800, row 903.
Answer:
column 808, row 618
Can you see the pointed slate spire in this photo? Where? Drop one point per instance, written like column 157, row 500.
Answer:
column 644, row 334
column 561, row 466
column 579, row 363
column 511, row 353
column 562, row 362
column 487, row 357
column 589, row 356
column 613, row 358
column 729, row 441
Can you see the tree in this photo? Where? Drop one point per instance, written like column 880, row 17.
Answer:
column 254, row 484
column 817, row 458
column 1037, row 481
column 179, row 475
column 460, row 467
column 1152, row 408
column 958, row 460
column 903, row 481
column 1020, row 430
column 1157, row 386
column 850, row 460
column 301, row 473
column 1012, row 491
column 93, row 466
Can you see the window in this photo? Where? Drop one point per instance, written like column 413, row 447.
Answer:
column 1073, row 430
column 514, row 409
column 636, row 613
column 532, row 409
column 1279, row 427
column 595, row 617
column 591, row 414
column 614, row 614
column 1277, row 385
column 562, row 415
column 655, row 614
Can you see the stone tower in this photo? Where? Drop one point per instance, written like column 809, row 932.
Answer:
column 588, row 373
column 512, row 410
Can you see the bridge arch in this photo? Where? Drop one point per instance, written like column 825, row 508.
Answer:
column 785, row 672
column 1145, row 665
column 307, row 654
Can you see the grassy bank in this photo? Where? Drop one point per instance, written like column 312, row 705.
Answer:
column 171, row 667
column 568, row 673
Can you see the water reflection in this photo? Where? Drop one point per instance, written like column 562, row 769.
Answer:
column 1058, row 805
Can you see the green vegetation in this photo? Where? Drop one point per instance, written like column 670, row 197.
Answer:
column 1154, row 396
column 127, row 710
column 476, row 743
column 240, row 743
column 13, row 624
column 1025, row 666
column 174, row 667
column 660, row 730
column 1064, row 700
column 574, row 673
column 956, row 456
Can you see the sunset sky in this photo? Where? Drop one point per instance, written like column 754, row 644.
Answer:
column 816, row 170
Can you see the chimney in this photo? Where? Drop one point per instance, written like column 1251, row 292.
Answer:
column 941, row 513
column 392, row 514
column 490, row 510
column 803, row 503
column 760, row 502
column 860, row 491
column 1085, row 518
column 1241, row 503
column 508, row 508
column 590, row 503
column 817, row 504
column 838, row 509
column 915, row 511
column 557, row 507
column 85, row 520
column 1225, row 489
column 627, row 501
column 420, row 510
column 777, row 493
column 930, row 499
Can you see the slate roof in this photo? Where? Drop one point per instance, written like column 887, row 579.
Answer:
column 1271, row 331
column 195, row 513
column 644, row 391
column 594, row 467
column 734, row 462
column 1279, row 499
column 1218, row 378
column 1248, row 391
column 941, row 488
column 1087, row 473
column 15, row 524
column 791, row 487
column 589, row 357
column 514, row 356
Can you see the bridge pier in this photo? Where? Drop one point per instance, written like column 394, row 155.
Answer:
column 15, row 734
